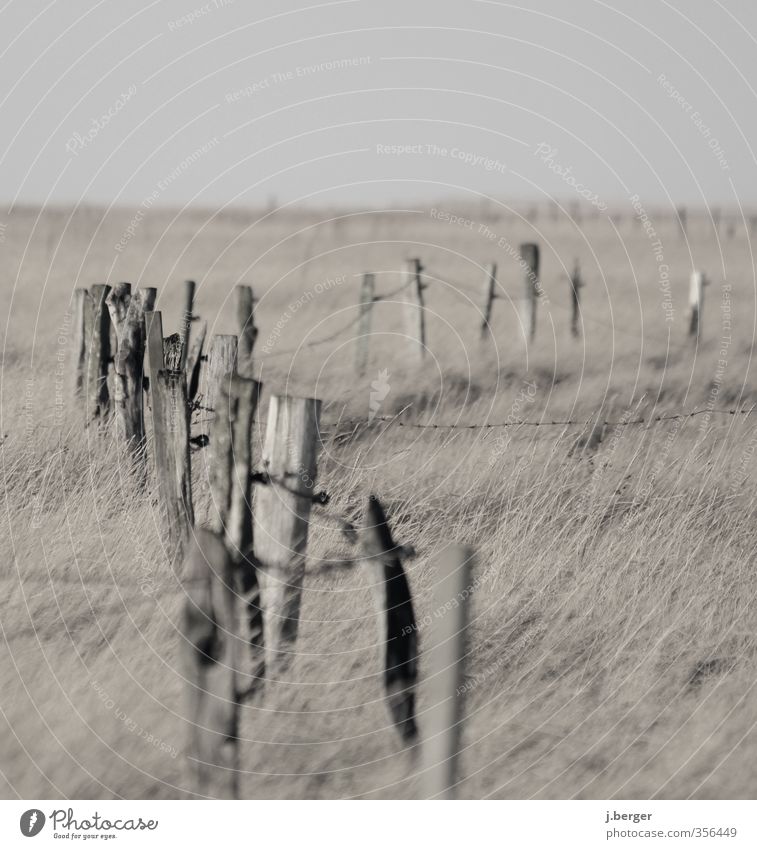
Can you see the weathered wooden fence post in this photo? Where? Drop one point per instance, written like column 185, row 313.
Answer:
column 154, row 345
column 381, row 564
column 222, row 362
column 445, row 672
column 247, row 331
column 282, row 511
column 415, row 315
column 98, row 353
column 529, row 253
column 362, row 345
column 575, row 296
column 187, row 317
column 697, row 283
column 79, row 351
column 127, row 312
column 490, row 285
column 170, row 417
column 210, row 648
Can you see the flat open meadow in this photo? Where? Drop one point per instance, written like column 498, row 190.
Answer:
column 613, row 623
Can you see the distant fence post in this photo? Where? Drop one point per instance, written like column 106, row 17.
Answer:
column 170, row 416
column 247, row 331
column 414, row 311
column 575, row 296
column 697, row 283
column 282, row 512
column 187, row 317
column 98, row 353
column 127, row 312
column 490, row 284
column 682, row 220
column 194, row 362
column 529, row 253
column 79, row 353
column 445, row 672
column 381, row 564
column 367, row 294
column 222, row 361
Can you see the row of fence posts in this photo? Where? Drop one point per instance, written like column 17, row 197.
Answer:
column 415, row 310
column 244, row 572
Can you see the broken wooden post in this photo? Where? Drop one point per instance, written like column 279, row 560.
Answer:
column 445, row 672
column 282, row 511
column 187, row 317
column 575, row 296
column 222, row 362
column 170, row 417
column 127, row 313
column 98, row 353
column 247, row 330
column 529, row 254
column 173, row 351
column 209, row 649
column 194, row 362
column 362, row 343
column 697, row 282
column 79, row 352
column 381, row 564
column 490, row 285
column 415, row 315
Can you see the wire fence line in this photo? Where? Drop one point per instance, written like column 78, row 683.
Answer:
column 663, row 417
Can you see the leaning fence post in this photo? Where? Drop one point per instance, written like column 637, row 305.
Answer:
column 490, row 284
column 231, row 485
column 194, row 362
column 247, row 330
column 79, row 353
column 98, row 353
column 381, row 564
column 415, row 315
column 282, row 511
column 367, row 290
column 187, row 317
column 529, row 253
column 209, row 648
column 127, row 312
column 697, row 283
column 445, row 672
column 170, row 416
column 575, row 296
column 222, row 361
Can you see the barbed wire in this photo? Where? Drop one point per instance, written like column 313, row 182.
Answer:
column 686, row 414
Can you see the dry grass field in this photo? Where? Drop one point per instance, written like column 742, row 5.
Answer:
column 613, row 648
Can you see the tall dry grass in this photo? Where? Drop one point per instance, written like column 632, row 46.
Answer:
column 612, row 647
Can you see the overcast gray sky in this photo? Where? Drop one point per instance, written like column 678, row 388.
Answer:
column 359, row 102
